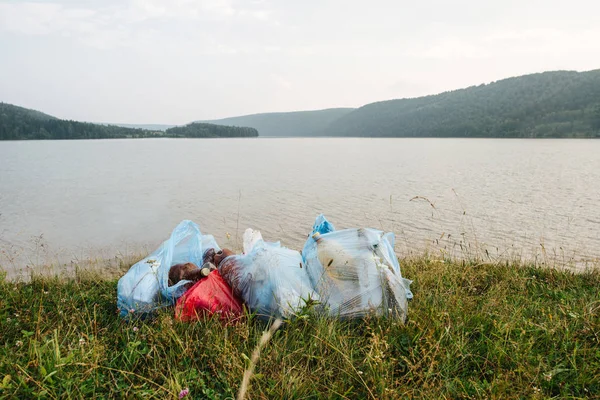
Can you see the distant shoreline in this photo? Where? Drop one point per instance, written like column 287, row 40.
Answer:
column 548, row 105
column 306, row 137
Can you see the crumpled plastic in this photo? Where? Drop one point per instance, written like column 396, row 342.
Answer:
column 355, row 272
column 209, row 296
column 269, row 278
column 145, row 287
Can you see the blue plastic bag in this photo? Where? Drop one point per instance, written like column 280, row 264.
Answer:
column 145, row 287
column 355, row 271
column 271, row 279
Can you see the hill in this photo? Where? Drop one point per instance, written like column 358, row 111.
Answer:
column 150, row 127
column 22, row 113
column 18, row 123
column 203, row 130
column 297, row 123
column 549, row 104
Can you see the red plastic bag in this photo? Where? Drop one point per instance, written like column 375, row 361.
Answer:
column 211, row 295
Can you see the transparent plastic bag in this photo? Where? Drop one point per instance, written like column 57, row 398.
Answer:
column 271, row 279
column 145, row 287
column 355, row 271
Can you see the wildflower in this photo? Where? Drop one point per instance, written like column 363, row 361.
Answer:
column 135, row 329
column 184, row 393
column 360, row 372
column 81, row 341
column 16, row 315
column 131, row 311
column 19, row 343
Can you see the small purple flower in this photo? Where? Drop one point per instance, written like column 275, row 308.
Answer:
column 135, row 329
column 184, row 393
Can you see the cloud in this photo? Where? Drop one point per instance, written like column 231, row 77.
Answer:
column 524, row 42
column 42, row 18
column 129, row 23
column 182, row 9
column 281, row 82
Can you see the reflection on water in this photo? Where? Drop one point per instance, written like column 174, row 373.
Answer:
column 71, row 199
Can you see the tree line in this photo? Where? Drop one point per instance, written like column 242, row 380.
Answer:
column 550, row 104
column 18, row 123
column 204, row 130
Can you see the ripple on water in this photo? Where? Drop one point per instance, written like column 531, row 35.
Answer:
column 504, row 196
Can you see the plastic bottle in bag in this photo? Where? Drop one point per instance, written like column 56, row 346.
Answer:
column 355, row 271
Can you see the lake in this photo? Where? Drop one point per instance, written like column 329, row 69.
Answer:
column 497, row 198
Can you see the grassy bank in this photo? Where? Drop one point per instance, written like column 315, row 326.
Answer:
column 473, row 331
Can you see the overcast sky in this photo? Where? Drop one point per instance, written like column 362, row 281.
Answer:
column 174, row 61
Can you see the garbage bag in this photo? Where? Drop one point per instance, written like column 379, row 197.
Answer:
column 145, row 287
column 355, row 271
column 251, row 237
column 211, row 295
column 269, row 278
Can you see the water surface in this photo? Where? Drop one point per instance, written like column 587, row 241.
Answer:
column 65, row 200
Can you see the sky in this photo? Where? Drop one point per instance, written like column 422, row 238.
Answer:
column 176, row 61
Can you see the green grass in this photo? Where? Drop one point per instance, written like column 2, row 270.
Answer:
column 473, row 331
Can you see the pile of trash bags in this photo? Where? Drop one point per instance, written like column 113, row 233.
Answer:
column 350, row 273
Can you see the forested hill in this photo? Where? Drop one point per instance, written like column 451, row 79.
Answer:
column 149, row 127
column 550, row 104
column 297, row 123
column 198, row 129
column 18, row 123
